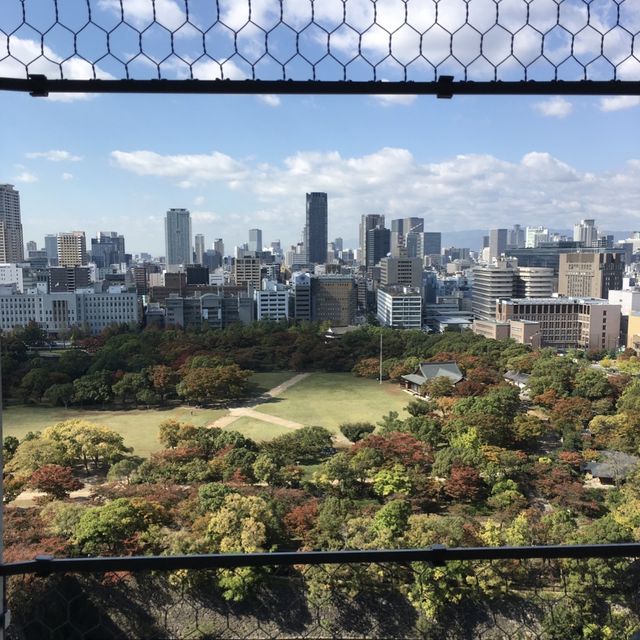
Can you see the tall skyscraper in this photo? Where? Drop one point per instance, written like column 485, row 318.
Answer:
column 497, row 242
column 218, row 246
column 432, row 243
column 367, row 223
column 199, row 249
column 11, row 243
column 51, row 247
column 255, row 240
column 177, row 234
column 31, row 246
column 378, row 245
column 107, row 249
column 72, row 249
column 586, row 232
column 316, row 237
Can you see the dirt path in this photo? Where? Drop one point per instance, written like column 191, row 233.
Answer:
column 281, row 388
column 25, row 499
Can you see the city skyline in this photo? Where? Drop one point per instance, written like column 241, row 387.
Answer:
column 476, row 163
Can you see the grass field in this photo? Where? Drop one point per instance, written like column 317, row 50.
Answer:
column 329, row 399
column 265, row 380
column 257, row 430
column 138, row 426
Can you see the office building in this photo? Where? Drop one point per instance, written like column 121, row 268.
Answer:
column 72, row 249
column 367, row 223
column 533, row 282
column 516, row 237
column 535, row 237
column 246, row 272
column 316, row 233
column 432, row 243
column 586, row 232
column 377, row 246
column 11, row 242
column 51, row 247
column 31, row 246
column 177, row 234
column 590, row 274
column 497, row 243
column 212, row 310
column 255, row 240
column 333, row 299
column 272, row 301
column 60, row 312
column 12, row 274
column 399, row 307
column 68, row 279
column 199, row 246
column 567, row 322
column 218, row 246
column 107, row 249
column 490, row 283
column 401, row 271
column 301, row 291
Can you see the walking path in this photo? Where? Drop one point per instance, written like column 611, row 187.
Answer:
column 281, row 388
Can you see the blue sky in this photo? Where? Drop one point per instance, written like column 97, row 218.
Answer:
column 118, row 162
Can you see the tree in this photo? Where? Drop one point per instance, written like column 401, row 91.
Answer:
column 163, row 380
column 528, row 428
column 303, row 446
column 438, row 387
column 241, row 525
column 54, row 480
column 35, row 453
column 592, row 384
column 355, row 431
column 128, row 387
column 124, row 469
column 74, row 362
column 60, row 394
column 392, row 481
column 209, row 384
column 93, row 388
column 84, row 442
column 574, row 412
column 464, row 484
column 552, row 372
column 9, row 448
column 300, row 521
column 110, row 528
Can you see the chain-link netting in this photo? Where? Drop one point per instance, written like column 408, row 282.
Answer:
column 544, row 599
column 321, row 40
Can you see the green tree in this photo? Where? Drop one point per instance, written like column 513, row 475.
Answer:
column 355, row 431
column 128, row 387
column 74, row 362
column 35, row 453
column 438, row 387
column 392, row 481
column 93, row 388
column 592, row 384
column 60, row 394
column 552, row 372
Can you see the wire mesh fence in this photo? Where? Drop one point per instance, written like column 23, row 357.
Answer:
column 322, row 41
column 517, row 598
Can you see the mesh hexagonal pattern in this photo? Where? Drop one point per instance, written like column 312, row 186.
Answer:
column 322, row 40
column 517, row 599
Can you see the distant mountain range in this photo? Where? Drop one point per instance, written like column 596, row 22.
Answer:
column 472, row 238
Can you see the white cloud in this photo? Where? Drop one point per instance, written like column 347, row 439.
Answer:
column 391, row 99
column 270, row 99
column 54, row 155
column 469, row 191
column 199, row 200
column 67, row 176
column 556, row 107
column 25, row 176
column 618, row 103
column 205, row 216
column 141, row 12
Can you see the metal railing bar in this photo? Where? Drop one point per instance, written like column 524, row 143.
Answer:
column 40, row 86
column 437, row 555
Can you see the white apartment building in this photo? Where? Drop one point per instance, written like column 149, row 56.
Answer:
column 400, row 307
column 56, row 312
column 272, row 302
column 535, row 236
column 11, row 273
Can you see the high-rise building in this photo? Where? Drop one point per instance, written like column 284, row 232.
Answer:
column 255, row 240
column 401, row 271
column 339, row 244
column 489, row 284
column 301, row 290
column 367, row 223
column 51, row 247
column 586, row 232
column 533, row 282
column 535, row 236
column 432, row 243
column 177, row 234
column 246, row 272
column 334, row 299
column 107, row 249
column 199, row 241
column 218, row 246
column 72, row 249
column 378, row 245
column 316, row 235
column 399, row 307
column 11, row 243
column 400, row 229
column 31, row 246
column 516, row 237
column 590, row 274
column 497, row 242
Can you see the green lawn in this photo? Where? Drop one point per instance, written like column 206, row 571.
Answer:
column 257, row 430
column 139, row 426
column 329, row 399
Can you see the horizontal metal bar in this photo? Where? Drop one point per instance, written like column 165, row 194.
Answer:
column 445, row 87
column 437, row 555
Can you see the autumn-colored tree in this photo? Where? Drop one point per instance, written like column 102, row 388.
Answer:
column 302, row 519
column 397, row 448
column 210, row 384
column 163, row 379
column 464, row 484
column 438, row 387
column 368, row 368
column 55, row 481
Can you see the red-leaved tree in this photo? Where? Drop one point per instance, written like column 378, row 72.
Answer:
column 54, row 480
